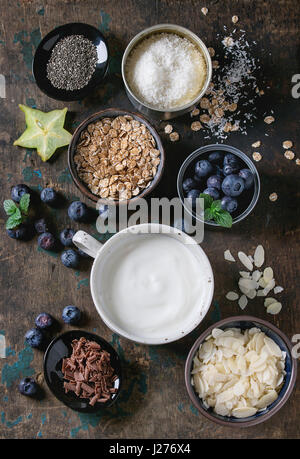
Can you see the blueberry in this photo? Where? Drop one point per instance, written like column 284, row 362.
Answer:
column 229, row 204
column 78, row 211
column 28, row 386
column 215, row 157
column 70, row 258
column 188, row 184
column 17, row 191
column 44, row 320
column 232, row 160
column 248, row 176
column 34, row 337
column 228, row 170
column 50, row 196
column 214, row 181
column 41, row 226
column 71, row 315
column 193, row 195
column 203, row 168
column 233, row 185
column 66, row 237
column 46, row 241
column 23, row 232
column 213, row 192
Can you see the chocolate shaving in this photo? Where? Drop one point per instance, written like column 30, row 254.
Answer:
column 88, row 372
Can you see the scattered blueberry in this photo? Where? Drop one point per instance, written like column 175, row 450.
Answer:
column 29, row 387
column 78, row 211
column 44, row 320
column 229, row 204
column 193, row 195
column 70, row 258
column 215, row 157
column 50, row 196
column 71, row 315
column 203, row 168
column 34, row 337
column 248, row 176
column 23, row 232
column 66, row 237
column 17, row 191
column 188, row 184
column 41, row 226
column 233, row 185
column 213, row 192
column 214, row 181
column 46, row 241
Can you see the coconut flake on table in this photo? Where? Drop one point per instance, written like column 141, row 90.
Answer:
column 233, row 84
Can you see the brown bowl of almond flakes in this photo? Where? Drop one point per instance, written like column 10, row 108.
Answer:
column 115, row 156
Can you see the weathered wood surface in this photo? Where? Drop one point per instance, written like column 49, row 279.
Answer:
column 154, row 402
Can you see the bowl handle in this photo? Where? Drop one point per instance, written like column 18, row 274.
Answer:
column 87, row 243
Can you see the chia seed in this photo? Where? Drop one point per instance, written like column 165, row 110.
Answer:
column 72, row 63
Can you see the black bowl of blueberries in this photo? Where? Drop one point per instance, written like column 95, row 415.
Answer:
column 226, row 178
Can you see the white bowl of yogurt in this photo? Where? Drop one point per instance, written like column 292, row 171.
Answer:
column 150, row 283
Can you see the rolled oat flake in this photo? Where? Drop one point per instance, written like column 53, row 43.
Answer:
column 72, row 63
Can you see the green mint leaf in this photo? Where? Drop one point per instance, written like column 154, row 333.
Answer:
column 9, row 206
column 216, row 205
column 208, row 200
column 24, row 203
column 14, row 220
column 223, row 218
column 208, row 214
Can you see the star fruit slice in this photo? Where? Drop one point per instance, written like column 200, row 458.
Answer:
column 44, row 131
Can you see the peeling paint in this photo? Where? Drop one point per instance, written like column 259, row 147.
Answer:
column 19, row 369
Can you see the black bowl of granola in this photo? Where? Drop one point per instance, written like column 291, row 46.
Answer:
column 116, row 156
column 83, row 371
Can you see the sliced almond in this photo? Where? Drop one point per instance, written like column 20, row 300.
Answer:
column 245, row 274
column 232, row 296
column 259, row 256
column 228, row 256
column 245, row 261
column 274, row 308
column 269, row 301
column 243, row 302
column 278, row 289
column 243, row 412
column 268, row 274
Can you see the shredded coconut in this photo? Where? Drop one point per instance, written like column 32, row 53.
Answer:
column 166, row 71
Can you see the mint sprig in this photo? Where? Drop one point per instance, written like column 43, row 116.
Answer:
column 213, row 211
column 16, row 215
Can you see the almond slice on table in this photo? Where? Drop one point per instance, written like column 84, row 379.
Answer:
column 269, row 301
column 278, row 289
column 228, row 256
column 268, row 274
column 274, row 308
column 259, row 256
column 245, row 274
column 245, row 260
column 243, row 302
column 232, row 296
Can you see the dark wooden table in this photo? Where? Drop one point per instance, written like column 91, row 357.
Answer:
column 154, row 402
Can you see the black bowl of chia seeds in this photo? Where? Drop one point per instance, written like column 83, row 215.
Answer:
column 70, row 61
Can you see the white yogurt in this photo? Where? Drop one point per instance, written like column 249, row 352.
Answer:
column 152, row 286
